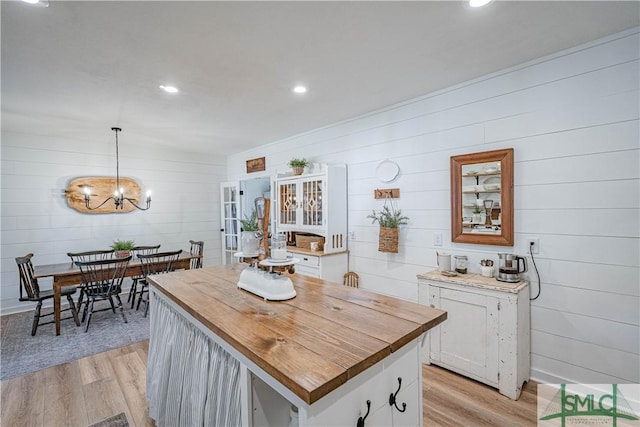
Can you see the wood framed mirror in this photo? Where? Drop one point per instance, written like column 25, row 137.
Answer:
column 482, row 198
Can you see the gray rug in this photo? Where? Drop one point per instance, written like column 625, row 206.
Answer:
column 119, row 420
column 20, row 353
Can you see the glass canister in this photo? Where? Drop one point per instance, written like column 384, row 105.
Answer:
column 278, row 247
column 461, row 263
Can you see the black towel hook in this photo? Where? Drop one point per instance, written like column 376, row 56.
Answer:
column 361, row 419
column 392, row 398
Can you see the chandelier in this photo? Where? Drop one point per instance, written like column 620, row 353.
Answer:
column 118, row 196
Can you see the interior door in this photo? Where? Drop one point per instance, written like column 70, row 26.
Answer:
column 230, row 227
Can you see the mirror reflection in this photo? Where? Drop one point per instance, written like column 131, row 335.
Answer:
column 482, row 198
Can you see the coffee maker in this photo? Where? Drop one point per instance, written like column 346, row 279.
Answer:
column 510, row 267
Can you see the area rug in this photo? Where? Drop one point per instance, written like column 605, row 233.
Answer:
column 119, row 420
column 20, row 353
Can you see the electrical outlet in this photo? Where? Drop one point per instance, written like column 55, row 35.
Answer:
column 352, row 235
column 437, row 239
column 534, row 246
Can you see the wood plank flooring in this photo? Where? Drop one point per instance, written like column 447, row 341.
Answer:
column 94, row 388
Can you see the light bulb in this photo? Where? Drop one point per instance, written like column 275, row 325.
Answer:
column 478, row 3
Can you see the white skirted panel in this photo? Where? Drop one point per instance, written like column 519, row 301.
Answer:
column 191, row 380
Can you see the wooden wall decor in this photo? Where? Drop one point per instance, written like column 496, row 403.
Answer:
column 256, row 165
column 386, row 193
column 101, row 189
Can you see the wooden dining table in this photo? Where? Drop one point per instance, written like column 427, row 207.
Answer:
column 68, row 274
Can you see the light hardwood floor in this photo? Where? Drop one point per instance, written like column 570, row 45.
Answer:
column 94, row 388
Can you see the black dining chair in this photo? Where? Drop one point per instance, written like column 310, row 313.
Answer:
column 152, row 264
column 197, row 248
column 139, row 250
column 30, row 286
column 102, row 280
column 84, row 257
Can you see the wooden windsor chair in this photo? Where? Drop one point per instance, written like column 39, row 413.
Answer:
column 197, row 248
column 102, row 280
column 152, row 264
column 139, row 250
column 29, row 286
column 85, row 257
column 351, row 279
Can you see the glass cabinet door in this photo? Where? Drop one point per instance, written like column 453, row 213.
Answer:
column 312, row 202
column 288, row 203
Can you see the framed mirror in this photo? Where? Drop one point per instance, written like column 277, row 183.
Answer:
column 482, row 198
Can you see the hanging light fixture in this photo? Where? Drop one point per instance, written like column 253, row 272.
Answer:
column 118, row 196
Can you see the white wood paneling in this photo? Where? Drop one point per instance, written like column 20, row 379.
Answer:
column 573, row 121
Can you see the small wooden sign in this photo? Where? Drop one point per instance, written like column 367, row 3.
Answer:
column 386, row 193
column 101, row 189
column 256, row 165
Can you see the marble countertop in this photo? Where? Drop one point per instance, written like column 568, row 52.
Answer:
column 475, row 280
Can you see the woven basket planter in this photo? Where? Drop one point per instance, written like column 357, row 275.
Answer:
column 388, row 240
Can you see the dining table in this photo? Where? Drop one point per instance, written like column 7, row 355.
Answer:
column 68, row 274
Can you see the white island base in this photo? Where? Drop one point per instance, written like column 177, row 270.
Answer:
column 197, row 377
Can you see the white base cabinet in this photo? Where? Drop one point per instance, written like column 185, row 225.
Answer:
column 329, row 267
column 487, row 332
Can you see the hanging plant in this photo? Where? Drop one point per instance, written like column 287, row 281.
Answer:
column 389, row 219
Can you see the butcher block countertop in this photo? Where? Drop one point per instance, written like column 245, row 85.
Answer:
column 312, row 343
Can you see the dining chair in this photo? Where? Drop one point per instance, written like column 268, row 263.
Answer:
column 141, row 250
column 197, row 248
column 102, row 280
column 351, row 279
column 84, row 257
column 29, row 285
column 152, row 264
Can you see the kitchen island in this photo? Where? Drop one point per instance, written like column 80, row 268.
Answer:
column 219, row 355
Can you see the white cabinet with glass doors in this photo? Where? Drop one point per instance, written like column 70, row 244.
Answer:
column 315, row 203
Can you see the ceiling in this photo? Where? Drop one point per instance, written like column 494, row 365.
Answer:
column 77, row 68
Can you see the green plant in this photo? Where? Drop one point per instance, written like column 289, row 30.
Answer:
column 388, row 217
column 123, row 245
column 477, row 210
column 250, row 223
column 298, row 163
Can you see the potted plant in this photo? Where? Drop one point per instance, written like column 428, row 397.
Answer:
column 476, row 218
column 298, row 165
column 122, row 248
column 251, row 234
column 389, row 219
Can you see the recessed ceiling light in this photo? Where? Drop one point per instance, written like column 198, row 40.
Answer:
column 41, row 3
column 478, row 3
column 169, row 89
column 299, row 89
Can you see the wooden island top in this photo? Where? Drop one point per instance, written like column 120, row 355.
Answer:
column 313, row 343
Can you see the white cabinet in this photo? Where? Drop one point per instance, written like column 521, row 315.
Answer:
column 315, row 203
column 343, row 406
column 326, row 266
column 487, row 332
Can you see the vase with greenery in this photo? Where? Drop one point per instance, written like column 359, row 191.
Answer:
column 251, row 234
column 389, row 219
column 476, row 218
column 122, row 248
column 298, row 165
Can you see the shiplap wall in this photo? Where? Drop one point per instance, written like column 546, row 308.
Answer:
column 572, row 119
column 35, row 217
